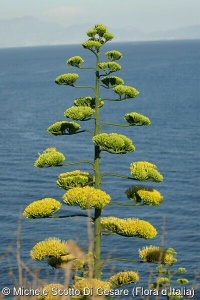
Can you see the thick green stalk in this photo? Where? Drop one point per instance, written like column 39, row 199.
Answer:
column 97, row 215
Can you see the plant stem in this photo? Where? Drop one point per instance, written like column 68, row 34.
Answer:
column 97, row 215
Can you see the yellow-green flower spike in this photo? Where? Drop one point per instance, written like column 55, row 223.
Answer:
column 49, row 291
column 123, row 278
column 79, row 112
column 86, row 197
column 112, row 81
column 75, row 61
column 113, row 55
column 125, row 91
column 67, row 79
column 42, row 208
column 134, row 118
column 114, row 143
column 51, row 247
column 109, row 67
column 143, row 195
column 93, row 285
column 73, row 179
column 87, row 101
column 156, row 254
column 50, row 157
column 128, row 227
column 143, row 170
column 62, row 127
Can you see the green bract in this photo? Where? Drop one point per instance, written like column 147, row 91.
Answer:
column 109, row 67
column 73, row 179
column 50, row 157
column 87, row 101
column 125, row 91
column 147, row 196
column 134, row 118
column 86, row 197
column 75, row 61
column 113, row 55
column 79, row 112
column 112, row 81
column 114, row 143
column 128, row 227
column 61, row 127
column 143, row 170
column 67, row 79
column 42, row 208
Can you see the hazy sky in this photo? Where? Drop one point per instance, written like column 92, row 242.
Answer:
column 147, row 15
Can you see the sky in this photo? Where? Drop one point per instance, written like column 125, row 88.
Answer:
column 146, row 15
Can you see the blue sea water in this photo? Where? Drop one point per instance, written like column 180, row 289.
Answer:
column 167, row 74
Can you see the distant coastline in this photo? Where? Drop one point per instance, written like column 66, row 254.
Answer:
column 28, row 31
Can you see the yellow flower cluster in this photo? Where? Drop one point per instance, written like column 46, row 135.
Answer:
column 67, row 79
column 50, row 157
column 49, row 247
column 98, row 34
column 114, row 143
column 79, row 112
column 87, row 101
column 92, row 284
column 123, row 278
column 42, row 208
column 134, row 118
column 112, row 81
column 49, row 288
column 126, row 91
column 147, row 196
column 109, row 67
column 73, row 179
column 113, row 55
column 143, row 170
column 128, row 227
column 61, row 127
column 156, row 254
column 86, row 197
column 75, row 61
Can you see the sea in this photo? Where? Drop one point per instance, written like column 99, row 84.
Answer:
column 167, row 75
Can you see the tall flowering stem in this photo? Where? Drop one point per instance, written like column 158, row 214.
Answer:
column 97, row 173
column 83, row 189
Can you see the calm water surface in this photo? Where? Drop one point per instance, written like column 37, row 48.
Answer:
column 167, row 76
